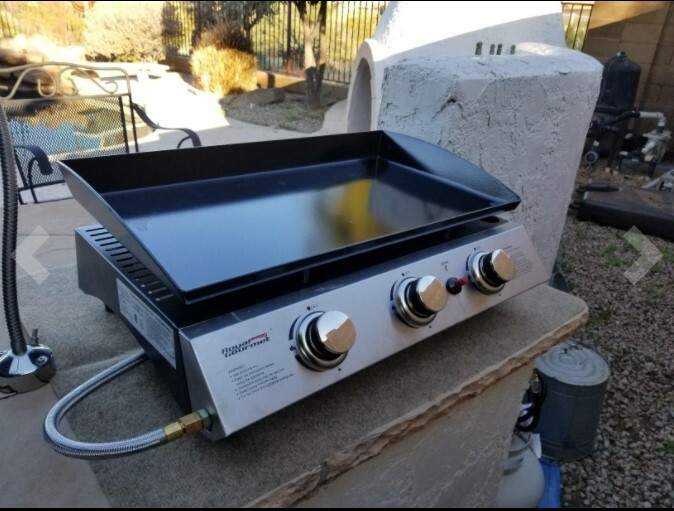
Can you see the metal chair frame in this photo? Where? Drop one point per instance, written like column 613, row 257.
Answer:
column 38, row 87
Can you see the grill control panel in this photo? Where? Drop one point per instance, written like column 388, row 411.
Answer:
column 265, row 358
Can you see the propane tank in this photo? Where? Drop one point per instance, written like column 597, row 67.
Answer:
column 523, row 481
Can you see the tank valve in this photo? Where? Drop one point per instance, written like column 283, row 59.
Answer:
column 592, row 155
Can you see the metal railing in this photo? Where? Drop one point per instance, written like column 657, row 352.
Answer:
column 576, row 17
column 181, row 29
column 278, row 40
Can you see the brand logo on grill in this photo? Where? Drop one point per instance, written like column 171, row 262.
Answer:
column 247, row 344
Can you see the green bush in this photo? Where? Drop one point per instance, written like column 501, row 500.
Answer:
column 124, row 31
column 222, row 61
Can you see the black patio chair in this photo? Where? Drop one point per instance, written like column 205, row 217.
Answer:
column 59, row 110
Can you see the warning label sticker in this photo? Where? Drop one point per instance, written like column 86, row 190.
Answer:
column 149, row 324
column 523, row 264
column 251, row 379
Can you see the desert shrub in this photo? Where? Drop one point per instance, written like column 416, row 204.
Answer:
column 223, row 70
column 222, row 61
column 124, row 31
column 56, row 21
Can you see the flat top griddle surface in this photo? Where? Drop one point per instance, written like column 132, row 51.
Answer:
column 209, row 233
column 206, row 231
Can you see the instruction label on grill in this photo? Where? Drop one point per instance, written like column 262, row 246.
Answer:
column 251, row 379
column 149, row 324
column 523, row 264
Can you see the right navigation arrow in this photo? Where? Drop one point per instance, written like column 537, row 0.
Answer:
column 648, row 252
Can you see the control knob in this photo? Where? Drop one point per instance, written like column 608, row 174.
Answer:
column 323, row 339
column 418, row 300
column 489, row 272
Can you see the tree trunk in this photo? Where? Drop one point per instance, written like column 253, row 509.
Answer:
column 313, row 89
column 322, row 44
column 198, row 21
column 314, row 71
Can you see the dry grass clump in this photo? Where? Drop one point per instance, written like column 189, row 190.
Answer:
column 223, row 61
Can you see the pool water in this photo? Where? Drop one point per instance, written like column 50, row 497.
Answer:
column 65, row 127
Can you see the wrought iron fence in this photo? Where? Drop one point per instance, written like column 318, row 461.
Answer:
column 183, row 30
column 278, row 40
column 576, row 17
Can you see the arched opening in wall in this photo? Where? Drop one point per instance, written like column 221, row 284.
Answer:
column 360, row 110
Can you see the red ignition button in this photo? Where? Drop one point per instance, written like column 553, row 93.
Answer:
column 454, row 286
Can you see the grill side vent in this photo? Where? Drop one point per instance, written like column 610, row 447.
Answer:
column 127, row 263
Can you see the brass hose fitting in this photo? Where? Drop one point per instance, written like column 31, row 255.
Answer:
column 187, row 425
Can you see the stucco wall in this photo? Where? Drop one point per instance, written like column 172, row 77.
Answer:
column 475, row 436
column 453, row 28
column 520, row 117
column 409, row 29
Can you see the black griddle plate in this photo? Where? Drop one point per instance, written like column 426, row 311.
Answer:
column 213, row 220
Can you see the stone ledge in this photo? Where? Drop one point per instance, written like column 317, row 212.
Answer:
column 368, row 416
column 375, row 442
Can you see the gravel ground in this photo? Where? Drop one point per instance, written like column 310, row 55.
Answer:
column 291, row 114
column 633, row 327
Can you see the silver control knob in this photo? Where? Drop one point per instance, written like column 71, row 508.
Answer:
column 323, row 339
column 418, row 300
column 490, row 272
